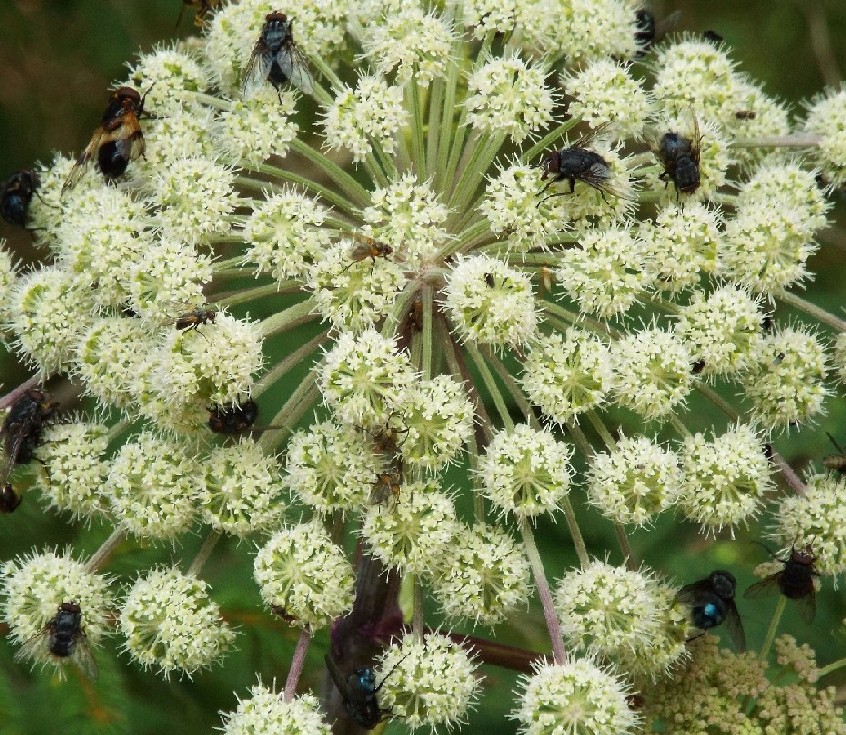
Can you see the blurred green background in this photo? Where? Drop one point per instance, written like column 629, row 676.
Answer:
column 58, row 59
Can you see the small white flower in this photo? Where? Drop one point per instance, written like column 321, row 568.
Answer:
column 827, row 117
column 266, row 712
column 586, row 30
column 168, row 80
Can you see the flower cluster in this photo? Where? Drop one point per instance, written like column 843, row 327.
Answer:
column 391, row 287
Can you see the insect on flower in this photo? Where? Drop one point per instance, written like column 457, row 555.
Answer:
column 117, row 141
column 649, row 31
column 358, row 691
column 233, row 419
column 680, row 158
column 795, row 581
column 712, row 603
column 835, row 462
column 16, row 193
column 367, row 248
column 22, row 427
column 62, row 638
column 9, row 499
column 578, row 163
column 195, row 318
column 202, row 10
column 745, row 115
column 276, row 58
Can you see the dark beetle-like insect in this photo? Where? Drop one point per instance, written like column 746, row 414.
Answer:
column 64, row 638
column 697, row 367
column 649, row 31
column 745, row 115
column 117, row 141
column 713, row 37
column 712, row 602
column 16, row 193
column 680, row 157
column 358, row 691
column 795, row 581
column 276, row 58
column 22, row 428
column 193, row 319
column 9, row 499
column 233, row 419
column 578, row 163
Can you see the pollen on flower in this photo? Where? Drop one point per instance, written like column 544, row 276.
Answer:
column 152, row 487
column 362, row 378
column 412, row 530
column 265, row 712
column 36, row 584
column 722, row 329
column 71, row 467
column 652, row 372
column 432, row 683
column 373, row 111
column 508, row 96
column 605, row 92
column 484, row 578
column 725, row 479
column 415, row 43
column 490, row 303
column 634, row 481
column 607, row 272
column 303, row 571
column 577, row 697
column 567, row 374
column 241, row 491
column 284, row 234
column 785, row 381
column 172, row 624
column 816, row 520
column 525, row 472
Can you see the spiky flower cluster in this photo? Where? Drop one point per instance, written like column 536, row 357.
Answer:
column 390, row 285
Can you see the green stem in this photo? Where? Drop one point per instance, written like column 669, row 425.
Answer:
column 386, row 163
column 324, row 193
column 839, row 664
column 399, row 309
column 575, row 532
column 580, row 439
column 320, row 94
column 417, row 615
column 105, row 550
column 466, row 238
column 514, row 390
column 579, row 320
column 600, row 428
column 293, row 360
column 350, row 186
column 717, row 400
column 812, row 310
column 446, row 130
column 233, row 298
column 771, row 633
column 418, row 153
column 475, row 170
column 549, row 139
column 625, row 546
column 204, row 553
column 436, row 101
column 678, row 425
column 428, row 296
column 293, row 316
column 559, row 653
column 490, row 385
column 374, row 169
column 303, row 397
column 210, row 100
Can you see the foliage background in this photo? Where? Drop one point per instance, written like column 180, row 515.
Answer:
column 58, row 58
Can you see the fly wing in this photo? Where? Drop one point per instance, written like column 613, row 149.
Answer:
column 808, row 606
column 35, row 648
column 256, row 70
column 295, row 67
column 79, row 167
column 692, row 594
column 767, row 586
column 81, row 656
column 735, row 626
column 13, row 438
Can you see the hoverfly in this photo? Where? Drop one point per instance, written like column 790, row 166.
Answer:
column 276, row 58
column 63, row 638
column 578, row 163
column 233, row 419
column 16, row 193
column 358, row 691
column 680, row 158
column 795, row 581
column 117, row 141
column 649, row 31
column 22, row 427
column 203, row 9
column 711, row 602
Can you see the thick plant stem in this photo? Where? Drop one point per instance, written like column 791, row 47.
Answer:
column 513, row 389
column 790, row 477
column 105, row 550
column 550, row 616
column 549, row 139
column 350, row 186
column 287, row 417
column 290, row 362
column 813, row 310
column 204, row 553
column 327, row 194
column 287, row 319
column 771, row 633
column 297, row 662
column 833, row 666
column 428, row 305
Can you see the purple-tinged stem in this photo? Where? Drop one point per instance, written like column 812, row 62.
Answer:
column 16, row 393
column 297, row 664
column 790, row 477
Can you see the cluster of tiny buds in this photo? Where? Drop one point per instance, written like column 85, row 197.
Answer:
column 508, row 257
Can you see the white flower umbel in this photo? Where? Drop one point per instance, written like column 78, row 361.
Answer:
column 567, row 374
column 484, row 578
column 301, row 570
column 490, row 303
column 827, row 117
column 265, row 712
column 587, row 30
column 429, row 682
column 242, row 491
column 171, row 624
column 71, row 467
column 35, row 585
column 634, row 481
column 330, row 468
column 525, row 472
column 577, row 698
column 512, row 210
column 816, row 520
column 168, row 78
column 724, row 480
column 413, row 530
